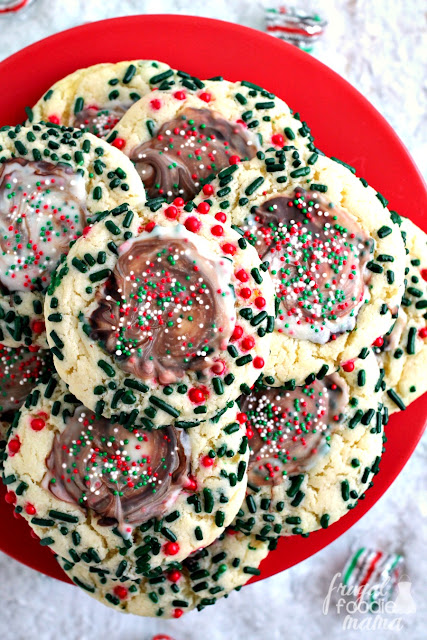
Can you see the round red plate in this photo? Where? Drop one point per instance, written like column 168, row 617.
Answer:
column 344, row 123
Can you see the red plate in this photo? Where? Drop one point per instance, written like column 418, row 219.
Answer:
column 344, row 123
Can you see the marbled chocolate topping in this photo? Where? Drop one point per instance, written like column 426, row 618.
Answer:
column 99, row 120
column 165, row 309
column 20, row 371
column 318, row 256
column 42, row 209
column 290, row 430
column 187, row 150
column 124, row 477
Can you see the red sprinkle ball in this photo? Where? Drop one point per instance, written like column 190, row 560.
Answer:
column 174, row 576
column 278, row 139
column 37, row 424
column 120, row 592
column 119, row 143
column 207, row 461
column 196, row 395
column 348, row 366
column 258, row 362
column 14, row 445
column 379, row 342
column 171, row 548
column 192, row 224
column 203, row 207
column 10, row 497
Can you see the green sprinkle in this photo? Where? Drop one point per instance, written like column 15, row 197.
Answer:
column 161, row 76
column 65, row 517
column 254, row 186
column 161, row 404
column 55, row 317
column 83, row 585
column 301, row 171
column 344, row 164
column 97, row 193
column 361, row 378
column 218, row 386
column 356, row 419
column 21, row 148
column 45, row 542
column 219, row 518
column 208, row 500
column 324, row 521
column 384, row 231
column 78, row 105
column 107, row 368
column 269, row 105
column 129, row 73
column 112, row 227
column 256, row 275
column 381, row 198
column 345, row 490
column 322, row 372
column 198, row 533
column 79, row 265
column 412, row 334
column 231, row 428
column 99, row 275
column 42, row 522
column 374, row 267
column 322, row 188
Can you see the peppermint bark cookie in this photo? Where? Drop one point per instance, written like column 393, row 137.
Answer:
column 52, row 181
column 179, row 139
column 198, row 581
column 121, row 500
column 20, row 371
column 335, row 255
column 402, row 352
column 314, row 449
column 152, row 312
column 95, row 98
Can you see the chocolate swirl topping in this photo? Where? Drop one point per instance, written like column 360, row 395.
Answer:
column 289, row 430
column 20, row 371
column 99, row 120
column 165, row 309
column 186, row 151
column 125, row 478
column 42, row 209
column 318, row 256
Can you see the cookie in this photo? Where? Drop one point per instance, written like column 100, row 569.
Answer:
column 179, row 139
column 403, row 352
column 121, row 500
column 52, row 181
column 314, row 449
column 20, row 371
column 95, row 98
column 335, row 255
column 198, row 581
column 156, row 311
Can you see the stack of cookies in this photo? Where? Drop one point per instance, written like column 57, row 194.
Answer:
column 205, row 324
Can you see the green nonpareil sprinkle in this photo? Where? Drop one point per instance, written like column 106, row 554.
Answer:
column 394, row 397
column 254, row 186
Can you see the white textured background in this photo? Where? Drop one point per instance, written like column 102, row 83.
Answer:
column 379, row 46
